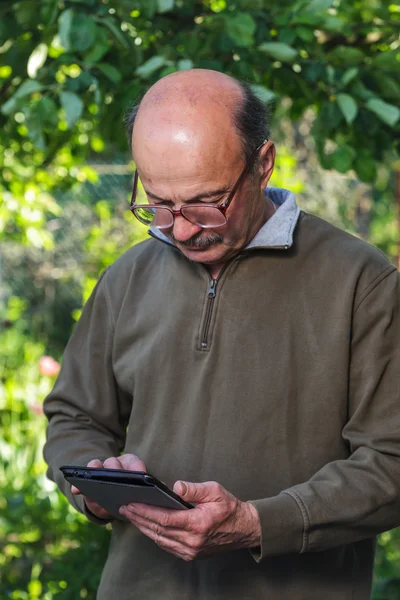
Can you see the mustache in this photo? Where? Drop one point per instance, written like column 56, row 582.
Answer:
column 200, row 240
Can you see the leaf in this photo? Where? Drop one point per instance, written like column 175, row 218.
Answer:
column 342, row 158
column 333, row 24
column 110, row 72
column 99, row 49
column 26, row 88
column 361, row 91
column 346, row 56
column 386, row 60
column 330, row 72
column 37, row 60
column 185, row 64
column 365, row 167
column 305, row 33
column 35, row 132
column 348, row 106
column 77, row 31
column 82, row 33
column 151, row 65
column 318, row 5
column 72, row 105
column 117, row 33
column 312, row 70
column 241, row 29
column 9, row 107
column 287, row 36
column 388, row 87
column 329, row 117
column 165, row 5
column 64, row 27
column 388, row 113
column 45, row 111
column 279, row 51
column 263, row 93
column 349, row 75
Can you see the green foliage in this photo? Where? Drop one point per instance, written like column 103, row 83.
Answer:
column 339, row 58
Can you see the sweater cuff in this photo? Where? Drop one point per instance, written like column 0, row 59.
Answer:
column 282, row 526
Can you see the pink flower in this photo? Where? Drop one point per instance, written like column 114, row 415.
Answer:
column 48, row 366
column 35, row 407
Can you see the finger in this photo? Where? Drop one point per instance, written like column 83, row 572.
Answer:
column 131, row 462
column 169, row 532
column 112, row 463
column 169, row 545
column 209, row 491
column 166, row 517
column 96, row 509
column 75, row 490
column 95, row 463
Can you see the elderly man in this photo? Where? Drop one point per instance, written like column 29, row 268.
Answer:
column 248, row 354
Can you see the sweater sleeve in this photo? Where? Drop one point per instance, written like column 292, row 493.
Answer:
column 87, row 411
column 357, row 498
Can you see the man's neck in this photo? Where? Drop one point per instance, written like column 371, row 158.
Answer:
column 215, row 269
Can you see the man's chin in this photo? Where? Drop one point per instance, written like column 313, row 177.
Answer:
column 204, row 255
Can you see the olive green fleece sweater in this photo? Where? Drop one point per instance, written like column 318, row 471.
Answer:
column 283, row 386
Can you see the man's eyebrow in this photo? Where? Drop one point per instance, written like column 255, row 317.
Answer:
column 202, row 196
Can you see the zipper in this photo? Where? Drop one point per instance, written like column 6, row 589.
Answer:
column 210, row 302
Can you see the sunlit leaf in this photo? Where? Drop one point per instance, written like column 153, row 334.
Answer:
column 185, row 64
column 64, row 27
column 349, row 75
column 388, row 113
column 279, row 51
column 72, row 105
column 37, row 59
column 263, row 93
column 165, row 5
column 348, row 106
column 150, row 66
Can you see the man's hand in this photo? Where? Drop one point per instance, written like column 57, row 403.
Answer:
column 218, row 522
column 129, row 462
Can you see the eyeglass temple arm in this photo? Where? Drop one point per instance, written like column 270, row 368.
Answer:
column 134, row 188
column 243, row 175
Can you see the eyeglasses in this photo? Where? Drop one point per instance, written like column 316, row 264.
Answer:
column 202, row 214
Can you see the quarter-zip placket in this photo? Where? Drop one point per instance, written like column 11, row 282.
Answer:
column 210, row 302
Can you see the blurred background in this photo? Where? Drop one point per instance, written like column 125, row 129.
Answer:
column 69, row 70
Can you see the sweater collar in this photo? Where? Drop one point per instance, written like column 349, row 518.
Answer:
column 277, row 232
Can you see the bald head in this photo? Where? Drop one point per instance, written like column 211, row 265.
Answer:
column 191, row 113
column 203, row 101
column 194, row 88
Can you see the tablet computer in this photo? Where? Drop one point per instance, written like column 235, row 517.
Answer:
column 113, row 488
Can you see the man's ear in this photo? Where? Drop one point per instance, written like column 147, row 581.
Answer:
column 267, row 162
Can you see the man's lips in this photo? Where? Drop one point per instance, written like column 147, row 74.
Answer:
column 195, row 248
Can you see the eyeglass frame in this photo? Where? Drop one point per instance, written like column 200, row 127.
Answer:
column 223, row 207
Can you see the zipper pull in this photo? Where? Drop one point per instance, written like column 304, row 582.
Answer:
column 211, row 289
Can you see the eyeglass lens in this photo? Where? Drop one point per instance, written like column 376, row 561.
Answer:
column 162, row 218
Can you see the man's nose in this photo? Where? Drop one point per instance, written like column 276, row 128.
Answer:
column 183, row 230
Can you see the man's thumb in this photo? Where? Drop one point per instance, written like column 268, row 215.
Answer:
column 197, row 492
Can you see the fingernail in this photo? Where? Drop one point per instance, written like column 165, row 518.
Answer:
column 185, row 488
